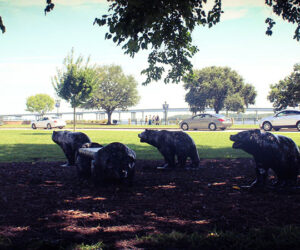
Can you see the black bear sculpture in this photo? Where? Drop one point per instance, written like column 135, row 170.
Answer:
column 70, row 142
column 113, row 162
column 276, row 152
column 171, row 144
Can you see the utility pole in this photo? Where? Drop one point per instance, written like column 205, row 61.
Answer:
column 165, row 108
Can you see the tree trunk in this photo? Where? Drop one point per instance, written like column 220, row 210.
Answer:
column 217, row 109
column 109, row 113
column 74, row 119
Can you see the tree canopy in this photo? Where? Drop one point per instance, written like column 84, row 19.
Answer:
column 287, row 91
column 114, row 90
column 218, row 88
column 75, row 81
column 40, row 103
column 165, row 27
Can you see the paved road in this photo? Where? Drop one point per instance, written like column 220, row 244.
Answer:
column 170, row 129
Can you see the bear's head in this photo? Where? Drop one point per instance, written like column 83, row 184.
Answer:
column 116, row 160
column 55, row 136
column 247, row 140
column 58, row 136
column 147, row 135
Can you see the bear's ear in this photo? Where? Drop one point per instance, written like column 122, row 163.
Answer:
column 54, row 132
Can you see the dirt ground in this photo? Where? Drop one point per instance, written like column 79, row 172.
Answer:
column 43, row 202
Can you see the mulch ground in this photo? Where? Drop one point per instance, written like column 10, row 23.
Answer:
column 43, row 202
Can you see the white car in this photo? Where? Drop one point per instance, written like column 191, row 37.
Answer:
column 283, row 119
column 49, row 123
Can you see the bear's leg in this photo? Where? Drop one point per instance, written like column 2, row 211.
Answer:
column 72, row 154
column 195, row 162
column 286, row 173
column 169, row 159
column 181, row 160
column 68, row 153
column 97, row 174
column 130, row 177
column 195, row 157
column 292, row 174
column 83, row 167
column 261, row 176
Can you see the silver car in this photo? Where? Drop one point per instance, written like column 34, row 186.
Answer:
column 283, row 119
column 204, row 121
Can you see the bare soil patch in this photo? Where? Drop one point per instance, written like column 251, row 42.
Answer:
column 43, row 202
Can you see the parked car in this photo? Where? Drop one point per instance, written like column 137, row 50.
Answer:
column 283, row 119
column 49, row 123
column 204, row 121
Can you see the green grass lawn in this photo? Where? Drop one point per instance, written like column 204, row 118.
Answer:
column 33, row 145
column 244, row 126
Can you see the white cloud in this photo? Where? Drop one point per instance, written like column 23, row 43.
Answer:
column 79, row 2
column 233, row 14
column 58, row 2
column 243, row 3
column 236, row 9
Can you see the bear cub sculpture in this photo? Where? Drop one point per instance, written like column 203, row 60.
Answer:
column 114, row 162
column 171, row 144
column 70, row 142
column 276, row 152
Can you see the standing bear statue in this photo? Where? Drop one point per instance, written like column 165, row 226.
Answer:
column 171, row 144
column 70, row 142
column 276, row 152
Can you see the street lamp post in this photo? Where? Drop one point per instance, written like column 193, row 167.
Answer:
column 57, row 105
column 165, row 108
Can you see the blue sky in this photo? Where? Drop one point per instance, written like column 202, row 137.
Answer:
column 34, row 47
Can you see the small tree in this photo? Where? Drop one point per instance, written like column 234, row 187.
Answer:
column 286, row 92
column 114, row 90
column 40, row 103
column 74, row 83
column 217, row 87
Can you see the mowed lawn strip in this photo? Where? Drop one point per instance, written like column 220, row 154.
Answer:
column 37, row 145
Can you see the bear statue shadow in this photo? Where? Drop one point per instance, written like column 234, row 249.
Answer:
column 172, row 144
column 276, row 152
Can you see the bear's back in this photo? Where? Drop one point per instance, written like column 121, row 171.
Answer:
column 77, row 137
column 176, row 138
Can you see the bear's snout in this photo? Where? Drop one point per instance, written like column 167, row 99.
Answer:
column 232, row 138
column 142, row 138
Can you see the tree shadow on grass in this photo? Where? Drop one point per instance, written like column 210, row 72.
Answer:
column 52, row 152
column 36, row 133
column 30, row 152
